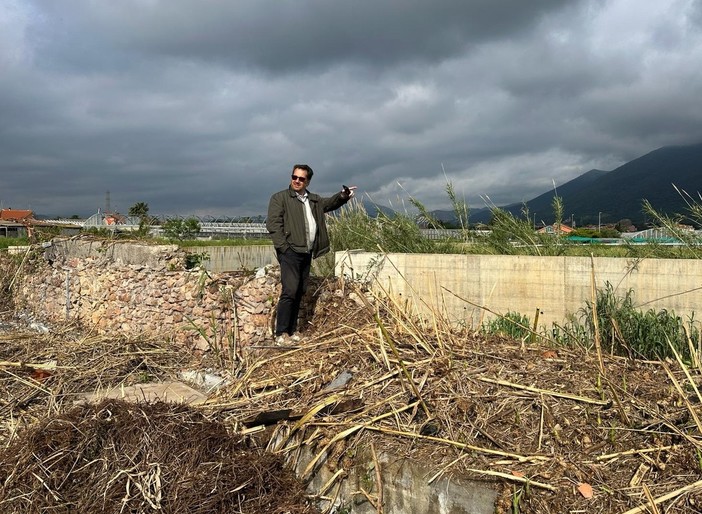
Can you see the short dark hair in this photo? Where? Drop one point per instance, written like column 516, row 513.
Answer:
column 306, row 168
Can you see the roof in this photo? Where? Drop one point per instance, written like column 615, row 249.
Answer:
column 15, row 214
column 556, row 227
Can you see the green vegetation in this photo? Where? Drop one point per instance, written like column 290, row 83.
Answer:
column 512, row 325
column 354, row 229
column 181, row 229
column 38, row 235
column 5, row 242
column 622, row 329
column 677, row 225
column 596, row 234
column 141, row 210
column 625, row 330
column 194, row 260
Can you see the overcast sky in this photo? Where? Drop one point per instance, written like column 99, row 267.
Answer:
column 201, row 107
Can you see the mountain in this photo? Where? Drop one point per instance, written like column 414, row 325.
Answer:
column 375, row 210
column 609, row 196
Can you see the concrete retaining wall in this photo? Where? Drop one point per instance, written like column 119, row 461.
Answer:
column 457, row 285
column 230, row 258
column 405, row 487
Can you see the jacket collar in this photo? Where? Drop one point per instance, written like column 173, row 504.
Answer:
column 310, row 195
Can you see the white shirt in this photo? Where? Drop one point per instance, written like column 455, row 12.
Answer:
column 310, row 223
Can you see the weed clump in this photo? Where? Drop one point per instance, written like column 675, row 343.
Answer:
column 622, row 328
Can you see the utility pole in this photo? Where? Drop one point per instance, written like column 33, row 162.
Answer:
column 599, row 222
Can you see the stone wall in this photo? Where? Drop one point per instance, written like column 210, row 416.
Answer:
column 144, row 290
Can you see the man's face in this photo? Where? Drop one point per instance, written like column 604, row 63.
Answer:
column 297, row 184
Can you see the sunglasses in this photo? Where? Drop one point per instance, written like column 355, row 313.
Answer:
column 297, row 178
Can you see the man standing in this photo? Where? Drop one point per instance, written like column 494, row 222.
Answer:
column 299, row 233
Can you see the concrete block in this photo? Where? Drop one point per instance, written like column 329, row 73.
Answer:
column 173, row 392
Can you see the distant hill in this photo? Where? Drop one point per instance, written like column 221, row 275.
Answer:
column 610, row 196
column 374, row 209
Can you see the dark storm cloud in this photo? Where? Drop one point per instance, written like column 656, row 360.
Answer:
column 289, row 36
column 201, row 107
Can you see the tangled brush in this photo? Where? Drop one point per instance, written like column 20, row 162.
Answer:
column 119, row 457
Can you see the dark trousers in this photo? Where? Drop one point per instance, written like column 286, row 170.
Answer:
column 294, row 276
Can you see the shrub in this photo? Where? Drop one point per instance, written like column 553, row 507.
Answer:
column 512, row 325
column 625, row 330
column 181, row 228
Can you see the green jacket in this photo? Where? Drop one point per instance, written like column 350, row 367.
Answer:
column 286, row 220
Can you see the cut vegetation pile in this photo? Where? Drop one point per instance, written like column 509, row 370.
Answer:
column 119, row 457
column 553, row 429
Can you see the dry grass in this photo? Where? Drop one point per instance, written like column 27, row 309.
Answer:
column 120, row 457
column 527, row 416
column 535, row 422
column 115, row 456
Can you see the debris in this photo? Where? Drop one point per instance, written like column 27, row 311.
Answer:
column 468, row 406
column 170, row 392
column 339, row 382
column 585, row 490
column 117, row 457
column 39, row 327
column 207, row 380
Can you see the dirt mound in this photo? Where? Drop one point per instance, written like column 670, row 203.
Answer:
column 121, row 457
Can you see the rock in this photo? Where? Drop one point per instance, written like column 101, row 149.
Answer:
column 339, row 382
column 356, row 299
column 209, row 381
column 38, row 327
